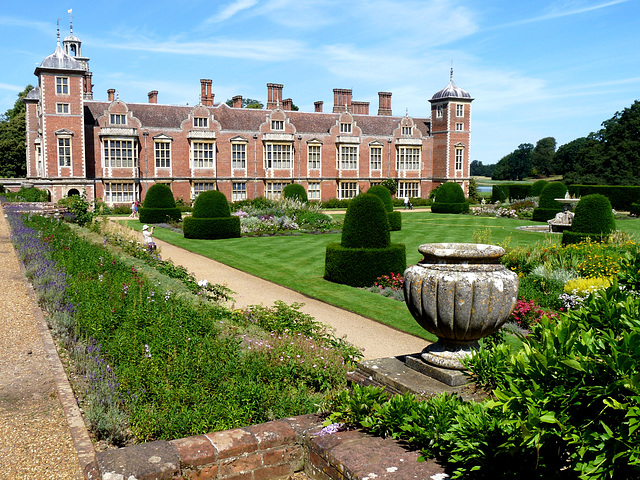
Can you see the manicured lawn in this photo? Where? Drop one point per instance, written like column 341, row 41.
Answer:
column 297, row 262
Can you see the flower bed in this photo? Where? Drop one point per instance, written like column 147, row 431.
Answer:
column 158, row 362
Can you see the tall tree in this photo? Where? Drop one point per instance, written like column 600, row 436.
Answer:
column 13, row 156
column 542, row 157
column 516, row 165
column 566, row 156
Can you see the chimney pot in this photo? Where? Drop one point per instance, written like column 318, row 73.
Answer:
column 384, row 99
column 318, row 106
column 153, row 96
column 237, row 101
column 111, row 94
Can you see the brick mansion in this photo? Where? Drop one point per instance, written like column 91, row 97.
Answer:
column 115, row 150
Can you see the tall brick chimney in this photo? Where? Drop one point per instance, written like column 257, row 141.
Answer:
column 153, row 96
column 342, row 100
column 287, row 104
column 237, row 101
column 87, row 86
column 111, row 94
column 385, row 103
column 360, row 108
column 318, row 106
column 274, row 95
column 206, row 95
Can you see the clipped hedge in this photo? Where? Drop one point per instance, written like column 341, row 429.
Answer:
column 547, row 206
column 635, row 209
column 395, row 221
column 366, row 224
column 211, row 228
column 159, row 205
column 449, row 198
column 536, row 188
column 395, row 218
column 360, row 267
column 211, row 218
column 510, row 191
column 295, row 190
column 593, row 219
column 620, row 196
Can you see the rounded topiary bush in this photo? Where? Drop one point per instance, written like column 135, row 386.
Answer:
column 211, row 218
column 211, row 204
column 537, row 187
column 365, row 223
column 547, row 205
column 395, row 218
column 593, row 219
column 365, row 252
column 449, row 198
column 159, row 205
column 295, row 191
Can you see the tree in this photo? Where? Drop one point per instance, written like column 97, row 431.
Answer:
column 542, row 157
column 13, row 156
column 516, row 165
column 567, row 155
column 477, row 169
column 247, row 103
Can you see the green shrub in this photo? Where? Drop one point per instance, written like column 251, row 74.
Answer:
column 211, row 228
column 549, row 193
column 159, row 205
column 499, row 193
column 336, row 203
column 295, row 190
column 543, row 291
column 211, row 204
column 78, row 208
column 366, row 224
column 365, row 252
column 620, row 196
column 537, row 187
column 361, row 267
column 395, row 221
column 32, row 194
column 384, row 195
column 449, row 198
column 519, row 191
column 593, row 214
column 635, row 209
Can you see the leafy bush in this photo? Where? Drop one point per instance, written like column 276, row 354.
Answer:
column 30, row 194
column 360, row 267
column 366, row 224
column 159, row 205
column 383, row 194
column 78, row 208
column 550, row 192
column 543, row 291
column 593, row 214
column 295, row 190
column 536, row 188
column 634, row 210
column 211, row 204
column 586, row 286
column 449, row 198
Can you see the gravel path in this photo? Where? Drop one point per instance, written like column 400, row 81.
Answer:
column 35, row 437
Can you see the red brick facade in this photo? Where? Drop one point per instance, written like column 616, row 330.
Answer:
column 114, row 150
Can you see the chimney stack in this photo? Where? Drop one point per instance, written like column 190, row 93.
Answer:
column 360, row 108
column 87, row 86
column 287, row 104
column 111, row 93
column 206, row 95
column 318, row 106
column 385, row 103
column 274, row 95
column 153, row 96
column 237, row 101
column 342, row 100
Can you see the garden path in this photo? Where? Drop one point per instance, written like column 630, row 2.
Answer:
column 376, row 339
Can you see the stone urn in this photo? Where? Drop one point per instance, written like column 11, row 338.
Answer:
column 461, row 293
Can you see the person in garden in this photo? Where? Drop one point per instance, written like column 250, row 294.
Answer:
column 133, row 210
column 406, row 202
column 148, row 238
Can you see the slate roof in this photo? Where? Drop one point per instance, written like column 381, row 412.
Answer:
column 451, row 91
column 59, row 60
column 249, row 119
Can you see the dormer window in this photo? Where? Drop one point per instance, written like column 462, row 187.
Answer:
column 62, row 85
column 407, row 130
column 200, row 122
column 345, row 128
column 117, row 119
column 277, row 124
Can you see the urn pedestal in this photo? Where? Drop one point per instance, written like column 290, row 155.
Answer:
column 461, row 293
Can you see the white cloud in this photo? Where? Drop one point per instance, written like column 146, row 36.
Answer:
column 230, row 10
column 11, row 88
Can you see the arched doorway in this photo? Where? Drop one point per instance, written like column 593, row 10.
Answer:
column 72, row 192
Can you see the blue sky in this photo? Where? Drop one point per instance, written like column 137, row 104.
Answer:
column 535, row 68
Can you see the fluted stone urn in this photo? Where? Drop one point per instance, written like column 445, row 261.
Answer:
column 461, row 293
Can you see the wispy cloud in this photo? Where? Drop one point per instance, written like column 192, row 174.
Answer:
column 230, row 10
column 564, row 10
column 11, row 88
column 30, row 24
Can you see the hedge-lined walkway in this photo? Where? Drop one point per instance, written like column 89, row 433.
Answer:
column 35, row 438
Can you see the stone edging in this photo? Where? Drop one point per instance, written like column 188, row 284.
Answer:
column 265, row 451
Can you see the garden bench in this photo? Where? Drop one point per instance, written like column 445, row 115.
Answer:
column 561, row 222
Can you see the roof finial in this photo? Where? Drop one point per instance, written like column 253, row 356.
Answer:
column 451, row 74
column 70, row 21
column 58, row 31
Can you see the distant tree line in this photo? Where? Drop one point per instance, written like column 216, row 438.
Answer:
column 610, row 156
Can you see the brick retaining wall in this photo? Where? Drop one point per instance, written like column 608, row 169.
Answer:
column 262, row 452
